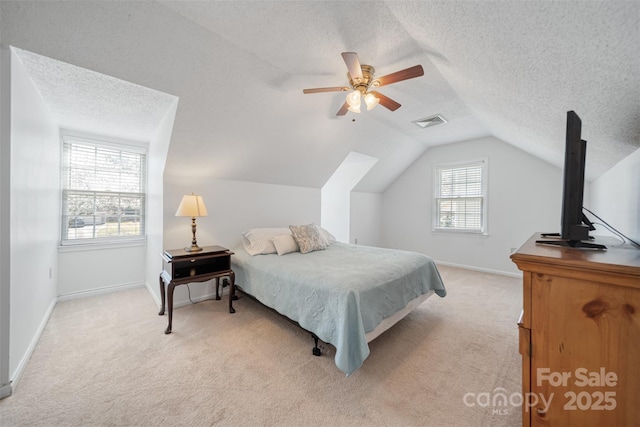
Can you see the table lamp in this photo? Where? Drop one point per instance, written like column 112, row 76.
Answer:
column 193, row 206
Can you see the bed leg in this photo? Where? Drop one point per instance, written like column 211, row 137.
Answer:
column 316, row 349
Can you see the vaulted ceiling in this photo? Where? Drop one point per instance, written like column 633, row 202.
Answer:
column 510, row 69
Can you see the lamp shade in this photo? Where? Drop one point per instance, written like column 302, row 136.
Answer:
column 192, row 205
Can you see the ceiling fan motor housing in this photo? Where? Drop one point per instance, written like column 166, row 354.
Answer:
column 368, row 79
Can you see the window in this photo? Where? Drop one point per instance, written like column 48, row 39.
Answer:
column 103, row 191
column 460, row 197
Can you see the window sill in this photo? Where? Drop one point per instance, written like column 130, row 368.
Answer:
column 108, row 244
column 460, row 233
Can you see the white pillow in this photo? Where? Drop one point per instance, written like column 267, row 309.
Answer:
column 327, row 235
column 258, row 241
column 285, row 244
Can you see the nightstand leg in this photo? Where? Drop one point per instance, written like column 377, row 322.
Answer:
column 217, row 287
column 170, row 306
column 161, row 296
column 232, row 291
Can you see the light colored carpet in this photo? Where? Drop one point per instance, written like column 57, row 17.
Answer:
column 105, row 361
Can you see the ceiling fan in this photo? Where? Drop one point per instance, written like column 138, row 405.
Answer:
column 361, row 80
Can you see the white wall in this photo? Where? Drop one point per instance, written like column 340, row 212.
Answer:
column 5, row 226
column 615, row 197
column 335, row 195
column 233, row 206
column 335, row 211
column 366, row 219
column 524, row 196
column 34, row 215
column 157, row 158
column 87, row 271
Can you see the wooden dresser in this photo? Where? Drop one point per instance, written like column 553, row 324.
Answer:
column 580, row 335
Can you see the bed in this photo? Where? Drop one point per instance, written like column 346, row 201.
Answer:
column 344, row 294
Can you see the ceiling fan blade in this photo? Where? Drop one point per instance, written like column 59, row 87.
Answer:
column 326, row 89
column 386, row 102
column 398, row 76
column 353, row 64
column 343, row 110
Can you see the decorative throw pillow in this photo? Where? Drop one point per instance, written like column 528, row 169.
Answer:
column 308, row 238
column 285, row 244
column 258, row 241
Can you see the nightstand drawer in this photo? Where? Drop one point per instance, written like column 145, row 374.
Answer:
column 199, row 266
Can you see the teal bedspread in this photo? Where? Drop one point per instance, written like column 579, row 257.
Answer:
column 340, row 293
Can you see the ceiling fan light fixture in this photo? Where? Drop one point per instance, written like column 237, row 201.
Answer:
column 353, row 99
column 362, row 78
column 371, row 100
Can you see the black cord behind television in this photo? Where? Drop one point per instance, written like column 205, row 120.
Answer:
column 574, row 226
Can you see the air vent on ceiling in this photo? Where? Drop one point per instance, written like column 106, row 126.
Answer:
column 430, row 121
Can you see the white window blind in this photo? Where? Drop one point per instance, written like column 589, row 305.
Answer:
column 103, row 191
column 460, row 195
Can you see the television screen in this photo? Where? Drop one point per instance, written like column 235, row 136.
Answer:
column 574, row 226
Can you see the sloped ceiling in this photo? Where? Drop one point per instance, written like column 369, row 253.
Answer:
column 95, row 103
column 508, row 69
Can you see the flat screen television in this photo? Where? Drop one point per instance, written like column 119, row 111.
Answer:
column 574, row 225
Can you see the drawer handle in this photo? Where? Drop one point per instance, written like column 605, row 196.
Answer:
column 193, row 260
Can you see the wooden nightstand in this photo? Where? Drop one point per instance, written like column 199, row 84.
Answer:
column 181, row 267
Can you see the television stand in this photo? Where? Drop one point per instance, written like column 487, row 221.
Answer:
column 577, row 316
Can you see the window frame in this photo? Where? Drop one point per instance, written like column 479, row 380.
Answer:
column 121, row 145
column 437, row 173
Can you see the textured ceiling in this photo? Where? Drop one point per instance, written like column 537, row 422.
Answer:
column 92, row 102
column 509, row 69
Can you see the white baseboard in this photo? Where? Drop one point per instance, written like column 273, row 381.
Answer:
column 100, row 291
column 199, row 298
column 32, row 345
column 5, row 391
column 181, row 302
column 155, row 297
column 484, row 270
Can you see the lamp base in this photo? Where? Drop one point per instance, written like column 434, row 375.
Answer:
column 195, row 248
